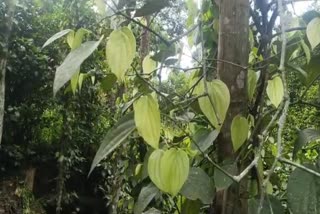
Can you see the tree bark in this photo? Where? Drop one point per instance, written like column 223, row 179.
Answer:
column 8, row 18
column 233, row 48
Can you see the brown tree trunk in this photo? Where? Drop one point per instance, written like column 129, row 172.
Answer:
column 233, row 53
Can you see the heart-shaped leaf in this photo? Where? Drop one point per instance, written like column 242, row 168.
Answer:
column 147, row 119
column 275, row 91
column 214, row 108
column 313, row 32
column 168, row 169
column 239, row 131
column 120, row 51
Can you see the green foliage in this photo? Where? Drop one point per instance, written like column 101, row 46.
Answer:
column 147, row 119
column 120, row 50
column 198, row 186
column 275, row 91
column 239, row 131
column 303, row 192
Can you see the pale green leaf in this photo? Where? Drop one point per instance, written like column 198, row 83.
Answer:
column 252, row 83
column 275, row 91
column 154, row 168
column 147, row 119
column 120, row 51
column 146, row 195
column 239, row 131
column 174, row 169
column 56, row 36
column 74, row 81
column 313, row 32
column 198, row 186
column 148, row 65
column 72, row 63
column 220, row 97
column 76, row 41
column 306, row 51
column 304, row 192
column 82, row 77
column 169, row 169
column 117, row 135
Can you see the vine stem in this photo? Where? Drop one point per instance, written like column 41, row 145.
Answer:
column 286, row 101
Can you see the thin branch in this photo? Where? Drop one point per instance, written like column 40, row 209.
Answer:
column 283, row 117
column 286, row 161
column 230, row 63
column 289, row 30
column 166, row 42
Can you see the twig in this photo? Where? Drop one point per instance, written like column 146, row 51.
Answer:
column 286, row 161
column 166, row 42
column 288, row 31
column 283, row 117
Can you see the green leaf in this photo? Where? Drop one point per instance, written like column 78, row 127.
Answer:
column 147, row 119
column 74, row 81
column 174, row 169
column 303, row 192
column 190, row 207
column 82, row 77
column 252, row 83
column 222, row 181
column 72, row 63
column 108, row 82
column 148, row 65
column 271, row 205
column 313, row 71
column 313, row 32
column 275, row 91
column 239, row 131
column 168, row 169
column 306, row 51
column 150, row 7
column 204, row 139
column 198, row 186
column 220, row 96
column 75, row 39
column 120, row 51
column 117, row 135
column 304, row 137
column 154, row 168
column 146, row 195
column 56, row 36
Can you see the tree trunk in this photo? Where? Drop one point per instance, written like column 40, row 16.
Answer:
column 233, row 53
column 8, row 18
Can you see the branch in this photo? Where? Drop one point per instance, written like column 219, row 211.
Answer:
column 166, row 42
column 286, row 161
column 283, row 117
column 289, row 30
